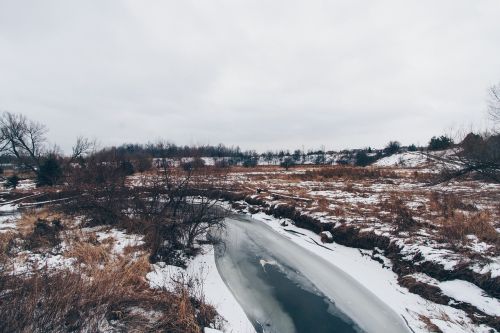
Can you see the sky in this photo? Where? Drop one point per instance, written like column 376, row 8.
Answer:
column 259, row 74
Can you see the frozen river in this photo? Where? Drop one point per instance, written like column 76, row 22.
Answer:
column 285, row 288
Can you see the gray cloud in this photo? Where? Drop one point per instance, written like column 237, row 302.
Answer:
column 259, row 74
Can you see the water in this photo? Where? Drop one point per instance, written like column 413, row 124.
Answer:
column 287, row 301
column 284, row 288
column 309, row 310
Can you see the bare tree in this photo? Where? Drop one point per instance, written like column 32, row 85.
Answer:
column 477, row 154
column 23, row 138
column 83, row 146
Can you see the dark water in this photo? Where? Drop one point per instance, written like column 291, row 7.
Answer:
column 309, row 311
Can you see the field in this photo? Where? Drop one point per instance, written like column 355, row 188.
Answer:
column 436, row 244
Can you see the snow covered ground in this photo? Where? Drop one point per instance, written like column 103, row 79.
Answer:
column 383, row 283
column 406, row 159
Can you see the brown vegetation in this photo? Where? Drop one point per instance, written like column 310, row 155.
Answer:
column 346, row 172
column 457, row 227
column 115, row 296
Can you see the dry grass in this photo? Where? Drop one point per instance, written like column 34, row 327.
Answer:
column 456, row 228
column 101, row 292
column 94, row 297
column 346, row 172
column 26, row 223
column 67, row 301
column 446, row 204
column 400, row 214
column 87, row 250
column 7, row 242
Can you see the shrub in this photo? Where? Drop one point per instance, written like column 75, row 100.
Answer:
column 222, row 164
column 12, row 181
column 143, row 163
column 412, row 147
column 45, row 234
column 456, row 228
column 320, row 159
column 50, row 172
column 126, row 168
column 250, row 162
column 440, row 143
column 392, row 147
column 362, row 159
column 196, row 163
column 287, row 163
column 403, row 218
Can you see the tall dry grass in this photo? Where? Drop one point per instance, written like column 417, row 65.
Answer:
column 456, row 228
column 114, row 296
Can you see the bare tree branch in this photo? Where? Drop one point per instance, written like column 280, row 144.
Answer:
column 23, row 138
column 494, row 103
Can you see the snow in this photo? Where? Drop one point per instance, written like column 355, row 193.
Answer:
column 163, row 276
column 121, row 239
column 464, row 291
column 493, row 268
column 32, row 261
column 215, row 290
column 327, row 234
column 447, row 258
column 210, row 330
column 26, row 184
column 8, row 208
column 467, row 292
column 7, row 223
column 347, row 197
column 380, row 281
column 407, row 159
column 476, row 245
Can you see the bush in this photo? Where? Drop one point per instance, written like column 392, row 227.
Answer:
column 362, row 159
column 126, row 168
column 50, row 172
column 12, row 181
column 392, row 147
column 250, row 162
column 412, row 147
column 222, row 164
column 45, row 234
column 196, row 163
column 440, row 143
column 403, row 217
column 143, row 163
column 455, row 229
column 287, row 163
column 320, row 159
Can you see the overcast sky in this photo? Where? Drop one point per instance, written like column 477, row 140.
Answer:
column 259, row 74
